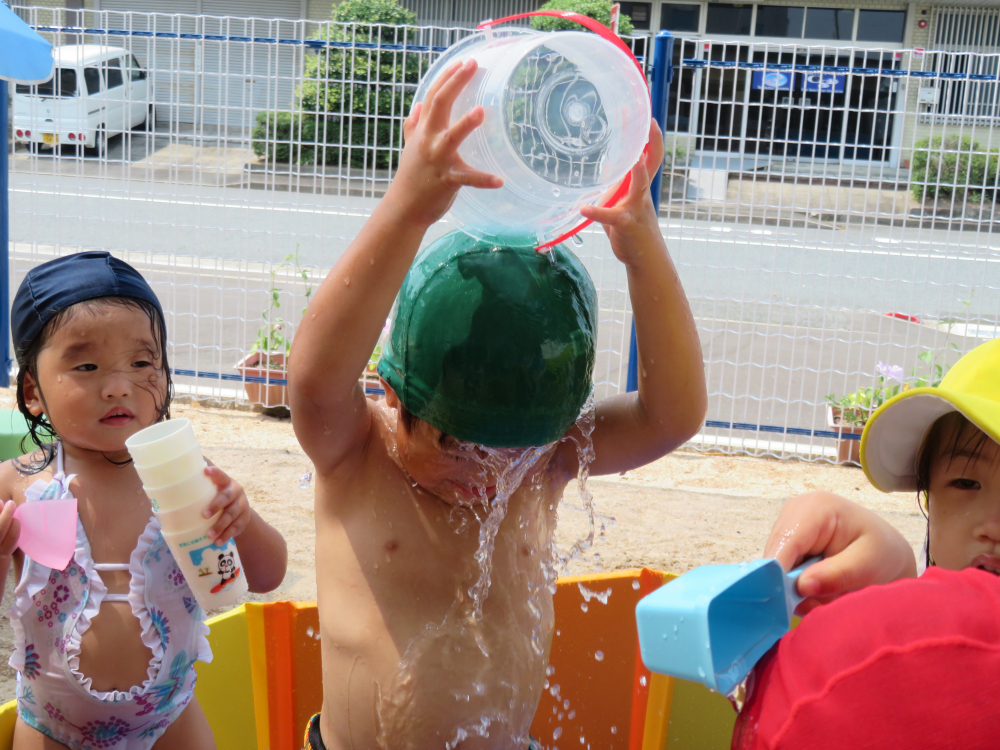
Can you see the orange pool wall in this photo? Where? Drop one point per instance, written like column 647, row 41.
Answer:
column 265, row 681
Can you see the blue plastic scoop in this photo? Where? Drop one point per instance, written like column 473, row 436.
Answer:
column 712, row 624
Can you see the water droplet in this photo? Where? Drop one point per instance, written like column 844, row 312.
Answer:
column 675, row 628
column 577, row 240
column 584, row 606
column 701, row 673
column 558, row 632
column 550, row 670
column 571, row 715
column 566, row 704
column 599, row 655
column 305, row 480
column 614, row 730
column 582, row 739
column 560, row 716
column 635, row 585
column 555, row 192
column 309, row 631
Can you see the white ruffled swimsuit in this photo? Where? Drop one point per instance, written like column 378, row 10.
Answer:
column 53, row 608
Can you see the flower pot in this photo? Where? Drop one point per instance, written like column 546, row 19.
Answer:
column 255, row 364
column 848, row 451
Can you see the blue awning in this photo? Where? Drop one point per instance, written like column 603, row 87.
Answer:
column 25, row 56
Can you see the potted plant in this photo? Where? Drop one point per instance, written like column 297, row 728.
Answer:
column 268, row 356
column 849, row 414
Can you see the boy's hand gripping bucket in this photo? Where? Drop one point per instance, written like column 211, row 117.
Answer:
column 567, row 117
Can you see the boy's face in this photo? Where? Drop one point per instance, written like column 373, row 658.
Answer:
column 99, row 377
column 965, row 507
column 439, row 463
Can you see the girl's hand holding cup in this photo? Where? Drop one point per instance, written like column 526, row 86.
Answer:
column 231, row 500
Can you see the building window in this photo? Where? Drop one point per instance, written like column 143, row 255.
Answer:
column 881, row 26
column 829, row 23
column 780, row 20
column 676, row 17
column 729, row 18
column 639, row 13
column 965, row 101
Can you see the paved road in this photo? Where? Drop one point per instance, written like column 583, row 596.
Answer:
column 786, row 314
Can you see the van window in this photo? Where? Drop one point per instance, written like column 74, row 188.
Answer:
column 138, row 74
column 114, row 73
column 63, row 81
column 92, row 77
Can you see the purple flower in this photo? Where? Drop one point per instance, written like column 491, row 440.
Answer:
column 890, row 372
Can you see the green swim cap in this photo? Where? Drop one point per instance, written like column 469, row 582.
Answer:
column 493, row 344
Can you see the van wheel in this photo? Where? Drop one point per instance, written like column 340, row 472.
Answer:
column 100, row 147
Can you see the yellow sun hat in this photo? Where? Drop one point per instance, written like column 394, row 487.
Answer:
column 893, row 435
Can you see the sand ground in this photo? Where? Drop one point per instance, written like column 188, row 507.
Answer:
column 684, row 510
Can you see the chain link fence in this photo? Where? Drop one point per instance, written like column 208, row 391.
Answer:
column 830, row 209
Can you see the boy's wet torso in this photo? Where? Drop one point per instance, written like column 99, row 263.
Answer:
column 406, row 662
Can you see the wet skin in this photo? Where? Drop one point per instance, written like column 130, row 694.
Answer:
column 387, row 552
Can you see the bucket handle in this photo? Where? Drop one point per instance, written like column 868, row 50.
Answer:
column 608, row 35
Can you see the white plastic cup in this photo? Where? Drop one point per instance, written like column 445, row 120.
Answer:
column 162, row 442
column 567, row 117
column 183, row 467
column 187, row 518
column 214, row 573
column 197, row 488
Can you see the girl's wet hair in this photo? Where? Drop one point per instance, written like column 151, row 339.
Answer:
column 41, row 436
column 952, row 436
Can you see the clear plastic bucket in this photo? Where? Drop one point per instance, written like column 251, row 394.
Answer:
column 567, row 117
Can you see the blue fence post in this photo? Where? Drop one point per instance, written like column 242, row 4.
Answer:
column 4, row 243
column 659, row 90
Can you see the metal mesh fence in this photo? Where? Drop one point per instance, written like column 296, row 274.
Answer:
column 830, row 208
column 833, row 212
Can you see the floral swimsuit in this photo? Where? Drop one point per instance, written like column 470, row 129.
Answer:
column 53, row 608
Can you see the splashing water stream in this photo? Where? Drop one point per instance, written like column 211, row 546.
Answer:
column 501, row 710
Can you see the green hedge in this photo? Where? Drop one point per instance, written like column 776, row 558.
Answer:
column 353, row 101
column 948, row 166
column 599, row 10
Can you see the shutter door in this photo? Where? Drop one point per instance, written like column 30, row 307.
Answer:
column 244, row 78
column 172, row 63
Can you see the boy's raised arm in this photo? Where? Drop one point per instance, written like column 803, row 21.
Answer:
column 343, row 322
column 636, row 428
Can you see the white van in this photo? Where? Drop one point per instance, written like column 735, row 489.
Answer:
column 95, row 93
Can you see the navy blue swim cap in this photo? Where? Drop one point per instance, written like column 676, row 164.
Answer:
column 52, row 287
